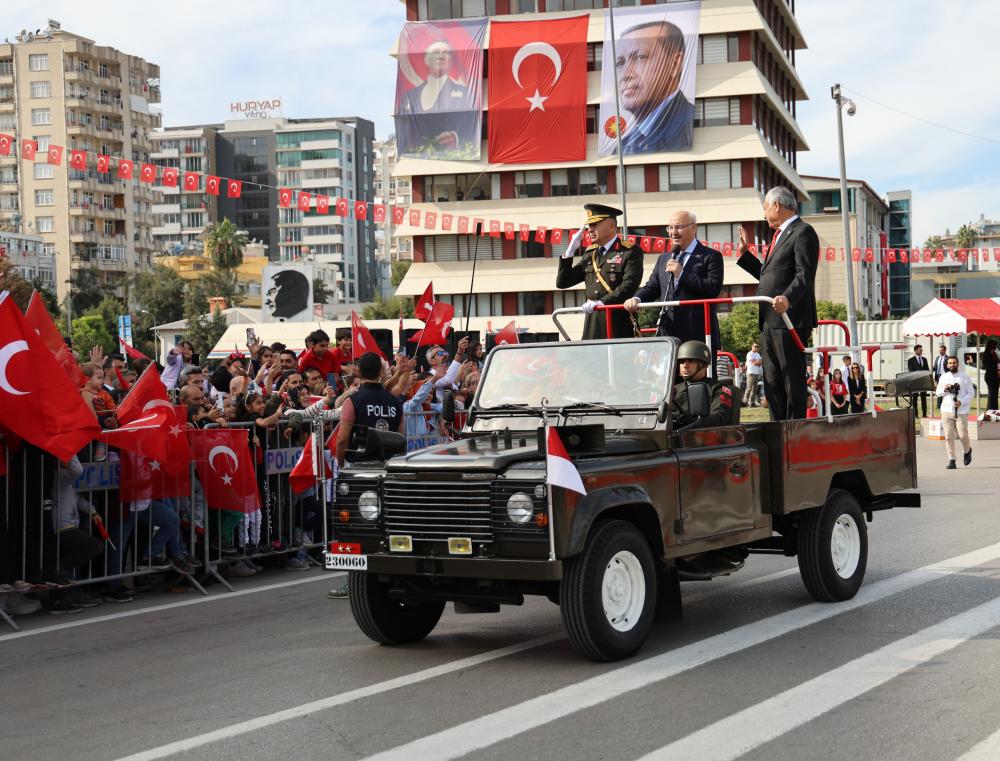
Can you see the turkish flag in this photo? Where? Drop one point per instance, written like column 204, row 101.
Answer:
column 343, row 207
column 144, row 435
column 331, row 442
column 147, row 394
column 378, row 213
column 304, row 199
column 422, row 309
column 305, row 471
column 148, row 173
column 125, row 167
column 28, row 149
column 508, row 230
column 192, row 182
column 446, row 220
column 170, row 175
column 438, row 325
column 39, row 318
column 659, row 245
column 55, row 155
column 103, row 164
column 398, row 214
column 323, row 204
column 430, row 220
column 463, row 225
column 557, row 236
column 212, row 185
column 130, row 352
column 37, row 401
column 525, row 231
column 362, row 339
column 508, row 335
column 225, row 468
column 5, row 143
column 285, row 198
column 414, row 217
column 360, row 210
column 234, row 188
column 538, row 90
column 495, row 228
column 78, row 160
column 157, row 465
column 540, row 234
column 646, row 243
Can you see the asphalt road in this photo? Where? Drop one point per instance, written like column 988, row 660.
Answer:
column 907, row 670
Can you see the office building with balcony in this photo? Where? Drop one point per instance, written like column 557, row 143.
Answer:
column 746, row 140
column 900, row 237
column 63, row 89
column 182, row 216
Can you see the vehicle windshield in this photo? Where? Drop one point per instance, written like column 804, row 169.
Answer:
column 614, row 382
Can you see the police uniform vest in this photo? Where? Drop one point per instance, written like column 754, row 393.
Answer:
column 374, row 407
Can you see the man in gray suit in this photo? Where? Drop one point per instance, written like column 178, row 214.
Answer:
column 788, row 275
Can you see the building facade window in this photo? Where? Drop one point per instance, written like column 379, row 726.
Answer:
column 40, row 89
column 45, row 197
column 44, row 224
column 38, row 62
column 41, row 116
column 945, row 290
column 528, row 184
column 43, row 171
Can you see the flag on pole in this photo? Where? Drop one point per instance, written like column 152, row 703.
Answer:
column 362, row 338
column 131, row 352
column 305, row 470
column 423, row 307
column 437, row 327
column 508, row 335
column 559, row 469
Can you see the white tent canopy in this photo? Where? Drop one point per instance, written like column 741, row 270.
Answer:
column 955, row 317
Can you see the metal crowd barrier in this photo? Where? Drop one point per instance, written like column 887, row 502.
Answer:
column 33, row 508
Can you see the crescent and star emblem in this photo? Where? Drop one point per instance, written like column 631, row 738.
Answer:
column 6, row 354
column 226, row 479
column 526, row 51
column 156, row 403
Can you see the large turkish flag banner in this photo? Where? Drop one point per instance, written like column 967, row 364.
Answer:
column 538, row 91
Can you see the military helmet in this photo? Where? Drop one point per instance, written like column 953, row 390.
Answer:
column 695, row 350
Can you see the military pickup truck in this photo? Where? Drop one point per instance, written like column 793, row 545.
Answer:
column 474, row 522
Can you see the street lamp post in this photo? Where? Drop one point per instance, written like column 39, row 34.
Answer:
column 841, row 101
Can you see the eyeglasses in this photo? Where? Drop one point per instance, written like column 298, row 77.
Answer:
column 441, row 354
column 671, row 228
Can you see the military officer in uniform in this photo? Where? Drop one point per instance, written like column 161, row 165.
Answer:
column 724, row 408
column 610, row 267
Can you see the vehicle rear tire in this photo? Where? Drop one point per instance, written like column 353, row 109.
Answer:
column 608, row 592
column 833, row 548
column 388, row 621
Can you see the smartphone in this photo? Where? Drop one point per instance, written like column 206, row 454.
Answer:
column 251, row 337
column 331, row 379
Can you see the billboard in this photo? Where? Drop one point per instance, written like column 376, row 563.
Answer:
column 287, row 293
column 656, row 51
column 439, row 89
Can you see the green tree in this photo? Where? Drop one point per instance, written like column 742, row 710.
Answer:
column 211, row 285
column 738, row 329
column 388, row 309
column 160, row 292
column 399, row 269
column 830, row 310
column 321, row 294
column 11, row 280
column 85, row 289
column 965, row 237
column 204, row 331
column 934, row 242
column 224, row 245
column 90, row 331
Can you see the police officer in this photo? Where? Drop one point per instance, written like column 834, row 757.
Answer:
column 370, row 406
column 724, row 409
column 610, row 267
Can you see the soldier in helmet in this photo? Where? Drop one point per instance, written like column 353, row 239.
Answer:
column 610, row 267
column 724, row 407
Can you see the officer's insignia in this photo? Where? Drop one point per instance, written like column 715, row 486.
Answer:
column 382, row 425
column 616, row 259
column 727, row 396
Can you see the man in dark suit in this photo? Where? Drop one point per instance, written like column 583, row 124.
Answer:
column 610, row 267
column 914, row 364
column 940, row 367
column 649, row 69
column 690, row 271
column 788, row 276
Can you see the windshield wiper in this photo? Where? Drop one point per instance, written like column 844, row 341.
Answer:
column 505, row 406
column 591, row 406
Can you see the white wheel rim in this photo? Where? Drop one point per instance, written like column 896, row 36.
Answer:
column 623, row 591
column 845, row 546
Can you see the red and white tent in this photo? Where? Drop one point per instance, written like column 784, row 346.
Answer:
column 955, row 317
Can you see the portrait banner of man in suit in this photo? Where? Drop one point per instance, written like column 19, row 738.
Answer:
column 656, row 48
column 439, row 89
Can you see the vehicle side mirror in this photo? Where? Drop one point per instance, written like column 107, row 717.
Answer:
column 383, row 445
column 663, row 412
column 698, row 399
column 448, row 407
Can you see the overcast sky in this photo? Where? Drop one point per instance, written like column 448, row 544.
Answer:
column 927, row 58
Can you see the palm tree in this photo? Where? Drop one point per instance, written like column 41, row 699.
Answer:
column 965, row 237
column 224, row 244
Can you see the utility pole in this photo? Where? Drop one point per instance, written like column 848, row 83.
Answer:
column 841, row 101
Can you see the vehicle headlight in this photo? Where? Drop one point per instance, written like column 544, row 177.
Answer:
column 520, row 508
column 368, row 505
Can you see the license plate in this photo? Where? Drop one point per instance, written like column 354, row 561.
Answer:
column 335, row 562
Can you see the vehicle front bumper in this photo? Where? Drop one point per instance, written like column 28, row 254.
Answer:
column 476, row 568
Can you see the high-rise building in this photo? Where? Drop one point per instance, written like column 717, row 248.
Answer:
column 333, row 157
column 745, row 141
column 63, row 89
column 27, row 254
column 900, row 236
column 391, row 191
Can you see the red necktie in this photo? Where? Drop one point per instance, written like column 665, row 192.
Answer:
column 774, row 241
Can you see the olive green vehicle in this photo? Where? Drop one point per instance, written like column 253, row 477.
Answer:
column 473, row 521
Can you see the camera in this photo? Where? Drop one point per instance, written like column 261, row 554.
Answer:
column 954, row 388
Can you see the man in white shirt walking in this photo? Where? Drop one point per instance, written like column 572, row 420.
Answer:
column 755, row 367
column 955, row 391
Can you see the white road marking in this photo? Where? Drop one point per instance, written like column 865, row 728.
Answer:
column 987, row 750
column 768, row 720
column 323, row 704
column 501, row 725
column 168, row 606
column 725, row 588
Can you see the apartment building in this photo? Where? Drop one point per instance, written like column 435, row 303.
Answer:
column 745, row 141
column 329, row 156
column 900, row 236
column 63, row 89
column 27, row 254
column 975, row 278
column 391, row 190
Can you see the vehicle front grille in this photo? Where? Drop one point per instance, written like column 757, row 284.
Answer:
column 438, row 509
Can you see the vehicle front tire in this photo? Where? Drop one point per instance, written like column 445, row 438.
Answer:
column 388, row 621
column 608, row 593
column 833, row 548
